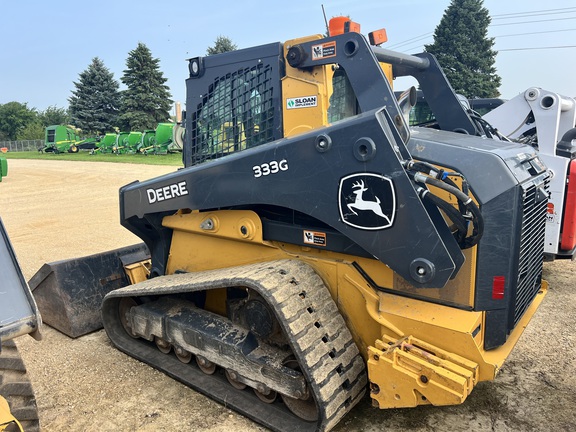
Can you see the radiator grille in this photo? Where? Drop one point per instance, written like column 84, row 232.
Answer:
column 237, row 113
column 531, row 247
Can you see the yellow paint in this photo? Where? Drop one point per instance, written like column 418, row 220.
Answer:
column 6, row 418
column 305, row 83
column 220, row 239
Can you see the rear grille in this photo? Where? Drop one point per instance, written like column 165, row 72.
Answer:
column 531, row 247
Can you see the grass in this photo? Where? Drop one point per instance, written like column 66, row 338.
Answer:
column 173, row 159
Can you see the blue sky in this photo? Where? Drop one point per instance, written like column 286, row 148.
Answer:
column 45, row 45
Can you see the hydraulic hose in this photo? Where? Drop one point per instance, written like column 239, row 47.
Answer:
column 473, row 213
column 454, row 215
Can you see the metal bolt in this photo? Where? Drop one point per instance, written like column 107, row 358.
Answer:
column 424, row 379
column 208, row 224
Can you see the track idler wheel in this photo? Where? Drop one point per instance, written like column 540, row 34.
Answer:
column 124, row 306
column 305, row 408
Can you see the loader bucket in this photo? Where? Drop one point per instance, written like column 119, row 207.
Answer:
column 69, row 293
column 18, row 311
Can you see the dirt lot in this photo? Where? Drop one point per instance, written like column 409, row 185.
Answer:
column 58, row 209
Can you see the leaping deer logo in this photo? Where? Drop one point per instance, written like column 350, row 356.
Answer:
column 360, row 204
column 367, row 201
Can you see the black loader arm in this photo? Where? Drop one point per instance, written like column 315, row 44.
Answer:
column 352, row 52
column 333, row 175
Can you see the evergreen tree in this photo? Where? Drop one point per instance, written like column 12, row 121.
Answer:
column 94, row 104
column 146, row 101
column 464, row 51
column 14, row 118
column 221, row 45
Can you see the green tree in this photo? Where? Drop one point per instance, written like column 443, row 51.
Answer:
column 464, row 50
column 94, row 104
column 32, row 131
column 54, row 116
column 14, row 117
column 222, row 44
column 146, row 101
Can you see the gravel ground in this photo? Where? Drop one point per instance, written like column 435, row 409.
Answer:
column 59, row 209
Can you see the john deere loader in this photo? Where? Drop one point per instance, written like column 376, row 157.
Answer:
column 18, row 316
column 314, row 248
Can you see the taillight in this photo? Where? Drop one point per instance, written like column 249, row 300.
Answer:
column 498, row 283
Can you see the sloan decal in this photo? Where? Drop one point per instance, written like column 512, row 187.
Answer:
column 367, row 201
column 167, row 192
column 302, row 102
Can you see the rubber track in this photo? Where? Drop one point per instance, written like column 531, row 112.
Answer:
column 317, row 333
column 16, row 388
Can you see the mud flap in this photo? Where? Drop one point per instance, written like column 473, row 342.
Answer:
column 69, row 293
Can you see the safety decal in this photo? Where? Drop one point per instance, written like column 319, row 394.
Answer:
column 325, row 50
column 315, row 238
column 367, row 201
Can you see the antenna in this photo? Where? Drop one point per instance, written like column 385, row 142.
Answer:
column 325, row 21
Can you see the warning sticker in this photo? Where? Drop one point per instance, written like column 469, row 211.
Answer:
column 302, row 102
column 324, row 50
column 550, row 213
column 315, row 238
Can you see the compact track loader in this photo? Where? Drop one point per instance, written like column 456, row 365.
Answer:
column 314, row 247
column 546, row 120
column 18, row 316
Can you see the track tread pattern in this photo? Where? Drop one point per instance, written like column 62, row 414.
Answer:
column 317, row 333
column 16, row 388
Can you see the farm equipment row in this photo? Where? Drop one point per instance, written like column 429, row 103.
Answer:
column 166, row 138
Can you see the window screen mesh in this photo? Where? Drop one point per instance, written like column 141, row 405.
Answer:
column 237, row 113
